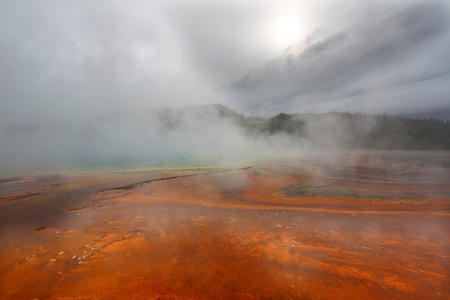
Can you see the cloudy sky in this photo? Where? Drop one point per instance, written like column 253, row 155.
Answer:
column 77, row 77
column 72, row 59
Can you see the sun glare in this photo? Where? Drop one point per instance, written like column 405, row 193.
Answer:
column 287, row 30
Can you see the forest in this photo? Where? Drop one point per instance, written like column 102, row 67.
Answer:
column 346, row 130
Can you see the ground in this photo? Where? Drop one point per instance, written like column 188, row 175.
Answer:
column 352, row 226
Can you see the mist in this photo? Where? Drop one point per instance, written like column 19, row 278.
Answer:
column 204, row 135
column 224, row 149
column 105, row 83
column 152, row 138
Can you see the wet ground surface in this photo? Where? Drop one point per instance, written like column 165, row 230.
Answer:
column 355, row 227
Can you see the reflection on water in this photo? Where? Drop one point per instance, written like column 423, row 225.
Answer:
column 371, row 225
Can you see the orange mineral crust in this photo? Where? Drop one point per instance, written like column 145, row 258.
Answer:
column 351, row 227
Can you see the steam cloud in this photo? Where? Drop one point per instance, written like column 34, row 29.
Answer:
column 85, row 84
column 208, row 134
column 167, row 137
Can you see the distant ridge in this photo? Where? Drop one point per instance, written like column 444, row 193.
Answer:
column 341, row 130
column 213, row 110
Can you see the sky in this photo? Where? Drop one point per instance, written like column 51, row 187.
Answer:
column 64, row 64
column 69, row 59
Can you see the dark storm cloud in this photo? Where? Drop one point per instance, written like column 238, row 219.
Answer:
column 380, row 54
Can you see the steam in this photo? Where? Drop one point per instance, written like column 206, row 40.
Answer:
column 152, row 138
column 85, row 85
column 203, row 135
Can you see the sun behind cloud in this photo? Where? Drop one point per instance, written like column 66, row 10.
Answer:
column 287, row 30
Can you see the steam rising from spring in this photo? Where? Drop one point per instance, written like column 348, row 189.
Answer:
column 162, row 138
column 203, row 135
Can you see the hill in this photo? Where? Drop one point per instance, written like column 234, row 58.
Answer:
column 341, row 130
